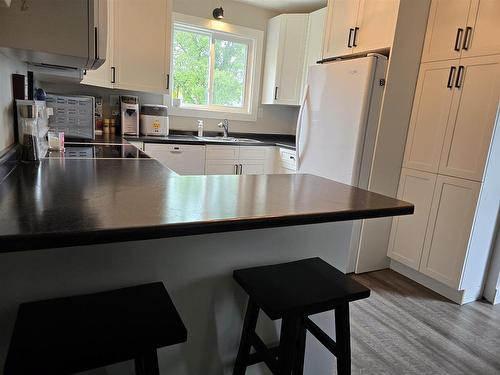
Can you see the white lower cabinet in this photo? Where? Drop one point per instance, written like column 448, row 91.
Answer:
column 286, row 161
column 182, row 159
column 435, row 239
column 239, row 160
column 448, row 232
column 408, row 232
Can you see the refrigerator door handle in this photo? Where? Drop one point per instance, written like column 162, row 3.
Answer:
column 299, row 127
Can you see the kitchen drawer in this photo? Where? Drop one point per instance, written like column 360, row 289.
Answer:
column 222, row 152
column 254, row 152
column 287, row 159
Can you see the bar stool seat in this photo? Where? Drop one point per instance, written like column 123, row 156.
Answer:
column 291, row 292
column 79, row 333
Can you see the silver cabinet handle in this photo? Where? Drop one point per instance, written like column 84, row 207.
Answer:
column 176, row 150
column 241, row 168
column 276, row 93
column 236, row 169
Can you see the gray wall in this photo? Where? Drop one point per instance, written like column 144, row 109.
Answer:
column 7, row 68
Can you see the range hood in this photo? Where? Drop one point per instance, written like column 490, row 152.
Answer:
column 55, row 35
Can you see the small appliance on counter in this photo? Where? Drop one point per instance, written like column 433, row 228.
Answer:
column 154, row 119
column 129, row 112
column 32, row 117
column 73, row 115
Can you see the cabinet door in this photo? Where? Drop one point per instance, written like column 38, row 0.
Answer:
column 342, row 17
column 431, row 108
column 446, row 17
column 408, row 232
column 216, row 152
column 447, row 238
column 472, row 118
column 102, row 76
column 291, row 59
column 483, row 29
column 314, row 45
column 376, row 23
column 271, row 61
column 253, row 167
column 222, row 167
column 142, row 45
column 182, row 159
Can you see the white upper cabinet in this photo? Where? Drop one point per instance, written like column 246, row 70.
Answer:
column 339, row 29
column 359, row 26
column 314, row 44
column 376, row 24
column 139, row 47
column 408, row 232
column 431, row 109
column 483, row 29
column 448, row 232
column 285, row 53
column 445, row 29
column 462, row 28
column 472, row 117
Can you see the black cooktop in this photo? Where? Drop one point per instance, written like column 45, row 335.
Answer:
column 98, row 151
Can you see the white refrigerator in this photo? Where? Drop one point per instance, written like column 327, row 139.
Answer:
column 337, row 132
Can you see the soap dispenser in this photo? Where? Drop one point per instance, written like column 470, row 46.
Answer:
column 200, row 128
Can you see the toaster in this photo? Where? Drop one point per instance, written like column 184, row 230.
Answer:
column 154, row 119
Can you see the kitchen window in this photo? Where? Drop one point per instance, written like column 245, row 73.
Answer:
column 215, row 69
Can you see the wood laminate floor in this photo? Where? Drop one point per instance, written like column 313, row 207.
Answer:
column 404, row 328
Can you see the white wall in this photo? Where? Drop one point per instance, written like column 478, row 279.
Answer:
column 7, row 68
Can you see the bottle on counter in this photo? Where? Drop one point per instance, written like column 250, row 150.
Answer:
column 105, row 126
column 200, row 128
column 112, row 126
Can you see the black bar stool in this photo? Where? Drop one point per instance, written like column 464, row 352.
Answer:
column 292, row 292
column 79, row 333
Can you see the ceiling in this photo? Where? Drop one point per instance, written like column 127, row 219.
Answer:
column 288, row 5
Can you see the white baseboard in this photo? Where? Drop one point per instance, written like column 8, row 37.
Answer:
column 458, row 296
column 493, row 296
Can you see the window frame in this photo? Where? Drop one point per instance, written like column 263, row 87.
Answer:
column 254, row 40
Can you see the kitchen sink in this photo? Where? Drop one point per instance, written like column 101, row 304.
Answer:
column 228, row 139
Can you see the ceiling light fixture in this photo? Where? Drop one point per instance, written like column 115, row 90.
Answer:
column 218, row 13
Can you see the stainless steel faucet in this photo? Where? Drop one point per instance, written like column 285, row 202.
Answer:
column 225, row 126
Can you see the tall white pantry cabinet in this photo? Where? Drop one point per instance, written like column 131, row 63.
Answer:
column 446, row 244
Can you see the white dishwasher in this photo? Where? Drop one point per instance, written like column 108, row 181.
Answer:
column 182, row 159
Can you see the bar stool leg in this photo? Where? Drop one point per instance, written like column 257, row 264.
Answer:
column 290, row 327
column 147, row 363
column 249, row 325
column 343, row 340
column 298, row 368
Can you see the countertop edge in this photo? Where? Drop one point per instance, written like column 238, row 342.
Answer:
column 43, row 241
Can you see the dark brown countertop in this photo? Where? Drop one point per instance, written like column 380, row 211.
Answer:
column 76, row 202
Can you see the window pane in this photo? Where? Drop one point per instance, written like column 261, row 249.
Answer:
column 191, row 52
column 230, row 70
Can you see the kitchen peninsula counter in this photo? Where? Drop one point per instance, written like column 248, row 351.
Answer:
column 68, row 202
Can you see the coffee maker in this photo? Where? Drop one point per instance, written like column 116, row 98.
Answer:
column 129, row 110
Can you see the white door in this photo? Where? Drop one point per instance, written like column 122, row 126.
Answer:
column 182, row 159
column 483, row 29
column 449, row 228
column 332, row 122
column 376, row 24
column 445, row 29
column 431, row 108
column 291, row 59
column 142, row 45
column 472, row 118
column 408, row 232
column 222, row 167
column 103, row 75
column 340, row 26
column 271, row 66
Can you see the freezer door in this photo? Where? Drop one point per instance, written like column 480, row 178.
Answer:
column 332, row 120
